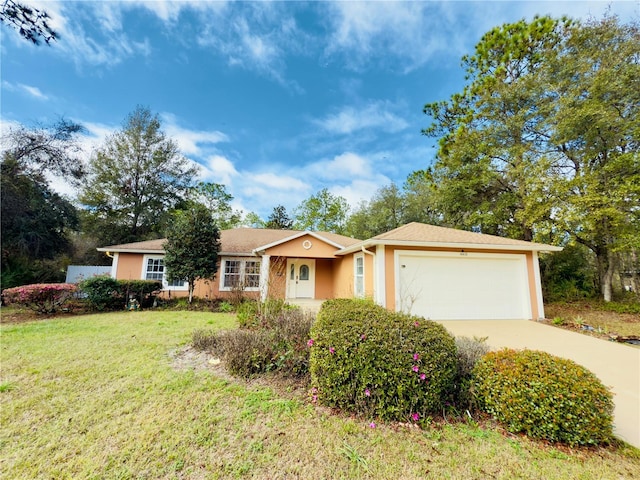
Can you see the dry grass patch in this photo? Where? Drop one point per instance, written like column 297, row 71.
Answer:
column 98, row 397
column 574, row 316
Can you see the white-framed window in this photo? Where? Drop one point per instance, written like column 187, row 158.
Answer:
column 358, row 275
column 153, row 269
column 239, row 273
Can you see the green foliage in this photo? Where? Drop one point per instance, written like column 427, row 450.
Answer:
column 567, row 275
column 253, row 314
column 247, row 314
column 368, row 360
column 225, row 307
column 469, row 351
column 135, row 179
column 619, row 307
column 542, row 141
column 323, row 211
column 279, row 219
column 544, row 396
column 191, row 249
column 35, row 224
column 105, row 293
column 102, row 293
column 277, row 344
column 215, row 198
column 43, row 298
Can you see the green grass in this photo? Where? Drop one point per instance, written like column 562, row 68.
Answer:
column 97, row 397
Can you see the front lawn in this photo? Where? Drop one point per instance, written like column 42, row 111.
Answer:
column 98, row 396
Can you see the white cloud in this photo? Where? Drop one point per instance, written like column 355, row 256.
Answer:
column 257, row 36
column 345, row 165
column 360, row 189
column 218, row 169
column 105, row 45
column 190, row 142
column 281, row 182
column 34, row 92
column 376, row 114
column 390, row 32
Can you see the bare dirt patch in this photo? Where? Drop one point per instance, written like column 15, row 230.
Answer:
column 189, row 358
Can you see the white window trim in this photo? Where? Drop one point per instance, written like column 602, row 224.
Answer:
column 243, row 262
column 165, row 283
column 355, row 276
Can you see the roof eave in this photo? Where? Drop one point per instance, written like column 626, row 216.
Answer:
column 263, row 248
column 129, row 250
column 534, row 247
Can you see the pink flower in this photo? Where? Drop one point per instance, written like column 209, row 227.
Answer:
column 372, row 425
column 332, row 350
column 363, row 336
column 310, row 342
column 314, row 398
column 416, row 324
column 367, row 392
column 314, row 390
column 416, row 357
column 415, row 417
column 415, row 368
column 423, row 376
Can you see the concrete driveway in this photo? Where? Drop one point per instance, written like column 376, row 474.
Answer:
column 616, row 365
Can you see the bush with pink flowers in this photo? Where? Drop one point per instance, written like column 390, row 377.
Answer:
column 368, row 360
column 42, row 297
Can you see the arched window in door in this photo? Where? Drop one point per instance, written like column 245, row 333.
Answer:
column 304, row 272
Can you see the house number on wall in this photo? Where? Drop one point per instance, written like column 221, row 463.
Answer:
column 306, row 244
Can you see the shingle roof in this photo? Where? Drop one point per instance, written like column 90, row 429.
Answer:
column 430, row 235
column 237, row 240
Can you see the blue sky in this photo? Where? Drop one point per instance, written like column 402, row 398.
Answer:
column 276, row 100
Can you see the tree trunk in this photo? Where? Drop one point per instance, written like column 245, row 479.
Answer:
column 191, row 288
column 634, row 268
column 606, row 268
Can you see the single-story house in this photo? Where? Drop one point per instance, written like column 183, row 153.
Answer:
column 435, row 272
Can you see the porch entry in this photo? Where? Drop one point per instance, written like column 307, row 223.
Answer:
column 301, row 278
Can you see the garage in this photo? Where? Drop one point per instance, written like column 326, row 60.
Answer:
column 462, row 285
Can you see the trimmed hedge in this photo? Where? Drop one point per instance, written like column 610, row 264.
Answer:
column 368, row 360
column 106, row 293
column 544, row 396
column 44, row 298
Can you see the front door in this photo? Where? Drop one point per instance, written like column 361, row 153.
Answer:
column 301, row 278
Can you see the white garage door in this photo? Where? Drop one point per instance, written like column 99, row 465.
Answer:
column 467, row 286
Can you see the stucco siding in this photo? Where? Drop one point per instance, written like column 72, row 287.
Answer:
column 296, row 248
column 343, row 277
column 129, row 266
column 324, row 279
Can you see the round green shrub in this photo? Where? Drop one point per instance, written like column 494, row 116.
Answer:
column 368, row 360
column 544, row 396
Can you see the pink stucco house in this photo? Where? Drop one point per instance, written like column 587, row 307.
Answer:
column 435, row 272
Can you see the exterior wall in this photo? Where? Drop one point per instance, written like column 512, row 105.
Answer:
column 390, row 287
column 277, row 277
column 369, row 284
column 324, row 279
column 295, row 248
column 343, row 277
column 129, row 266
column 533, row 293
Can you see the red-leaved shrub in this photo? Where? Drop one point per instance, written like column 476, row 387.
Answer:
column 41, row 297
